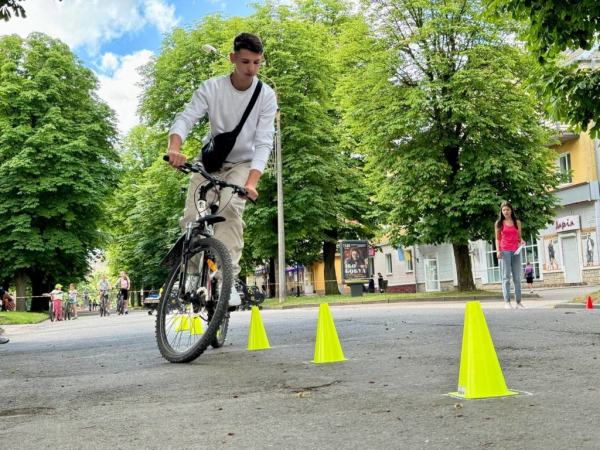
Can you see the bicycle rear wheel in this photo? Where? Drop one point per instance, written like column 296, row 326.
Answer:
column 190, row 318
column 51, row 310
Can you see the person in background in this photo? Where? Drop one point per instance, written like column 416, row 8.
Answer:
column 529, row 276
column 371, row 288
column 380, row 281
column 57, row 298
column 73, row 299
column 124, row 284
column 508, row 240
column 8, row 304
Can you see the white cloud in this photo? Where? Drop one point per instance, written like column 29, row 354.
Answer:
column 120, row 90
column 89, row 23
column 110, row 62
column 160, row 14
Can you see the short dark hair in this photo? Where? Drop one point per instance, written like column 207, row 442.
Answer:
column 247, row 41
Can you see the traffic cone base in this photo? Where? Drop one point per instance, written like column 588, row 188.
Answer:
column 589, row 305
column 257, row 336
column 327, row 347
column 480, row 373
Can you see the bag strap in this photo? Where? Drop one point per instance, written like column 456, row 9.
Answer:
column 255, row 95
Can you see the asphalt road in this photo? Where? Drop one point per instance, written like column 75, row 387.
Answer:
column 101, row 383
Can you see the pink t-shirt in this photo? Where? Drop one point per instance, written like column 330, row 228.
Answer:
column 509, row 241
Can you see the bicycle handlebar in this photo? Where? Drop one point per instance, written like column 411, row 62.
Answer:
column 199, row 168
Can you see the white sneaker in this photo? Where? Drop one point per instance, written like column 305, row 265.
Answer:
column 531, row 291
column 507, row 305
column 234, row 298
column 520, row 305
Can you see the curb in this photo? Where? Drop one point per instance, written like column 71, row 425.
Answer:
column 399, row 300
column 574, row 305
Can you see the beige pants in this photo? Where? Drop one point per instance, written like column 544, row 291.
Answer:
column 231, row 207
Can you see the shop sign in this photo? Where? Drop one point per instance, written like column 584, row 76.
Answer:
column 567, row 223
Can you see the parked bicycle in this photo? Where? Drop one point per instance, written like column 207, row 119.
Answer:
column 250, row 296
column 192, row 312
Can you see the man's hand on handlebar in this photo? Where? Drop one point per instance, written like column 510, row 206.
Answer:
column 252, row 193
column 176, row 158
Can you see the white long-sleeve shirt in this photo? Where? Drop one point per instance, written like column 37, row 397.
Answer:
column 225, row 106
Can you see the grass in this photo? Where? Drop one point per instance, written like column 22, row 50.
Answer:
column 583, row 298
column 21, row 318
column 374, row 297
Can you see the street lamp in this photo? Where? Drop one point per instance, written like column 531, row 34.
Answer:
column 279, row 172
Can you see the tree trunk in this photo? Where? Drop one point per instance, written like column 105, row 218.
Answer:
column 272, row 279
column 39, row 286
column 21, row 282
column 329, row 250
column 463, row 267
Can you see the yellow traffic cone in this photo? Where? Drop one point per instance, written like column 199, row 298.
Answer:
column 327, row 348
column 196, row 326
column 182, row 323
column 480, row 373
column 257, row 337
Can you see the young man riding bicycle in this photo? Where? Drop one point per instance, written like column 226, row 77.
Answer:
column 225, row 99
column 104, row 287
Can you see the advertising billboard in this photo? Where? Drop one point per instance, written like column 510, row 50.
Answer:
column 355, row 260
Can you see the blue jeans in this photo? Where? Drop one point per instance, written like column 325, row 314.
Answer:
column 511, row 263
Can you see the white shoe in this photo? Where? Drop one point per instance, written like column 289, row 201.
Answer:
column 234, row 298
column 531, row 292
column 520, row 305
column 507, row 305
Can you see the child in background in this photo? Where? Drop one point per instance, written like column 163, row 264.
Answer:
column 57, row 297
column 529, row 276
column 73, row 299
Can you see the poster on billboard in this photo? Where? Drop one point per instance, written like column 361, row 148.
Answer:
column 551, row 253
column 355, row 260
column 589, row 247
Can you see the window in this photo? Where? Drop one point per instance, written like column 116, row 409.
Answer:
column 564, row 165
column 388, row 261
column 530, row 254
column 493, row 265
column 408, row 256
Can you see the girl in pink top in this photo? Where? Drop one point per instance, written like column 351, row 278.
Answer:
column 508, row 240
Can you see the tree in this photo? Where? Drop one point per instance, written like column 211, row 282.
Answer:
column 15, row 5
column 551, row 27
column 56, row 160
column 435, row 96
column 144, row 210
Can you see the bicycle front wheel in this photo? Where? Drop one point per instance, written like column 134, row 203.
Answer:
column 194, row 303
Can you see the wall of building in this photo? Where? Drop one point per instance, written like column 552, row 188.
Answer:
column 583, row 158
column 400, row 278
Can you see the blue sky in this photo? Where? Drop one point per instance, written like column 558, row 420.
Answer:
column 115, row 37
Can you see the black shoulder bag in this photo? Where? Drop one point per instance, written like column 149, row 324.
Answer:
column 216, row 151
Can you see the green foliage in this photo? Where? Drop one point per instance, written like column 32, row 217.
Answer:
column 437, row 104
column 56, row 159
column 143, row 212
column 551, row 27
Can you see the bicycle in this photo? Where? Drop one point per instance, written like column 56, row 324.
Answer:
column 104, row 305
column 51, row 308
column 250, row 296
column 120, row 303
column 67, row 310
column 193, row 307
